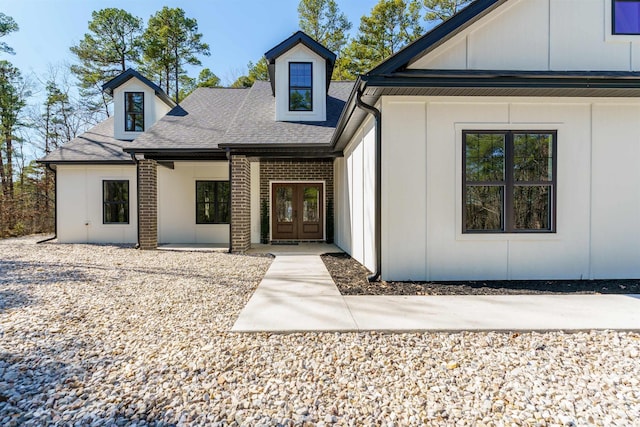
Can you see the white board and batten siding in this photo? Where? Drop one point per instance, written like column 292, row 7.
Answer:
column 598, row 142
column 539, row 35
column 301, row 53
column 80, row 204
column 177, row 203
column 354, row 177
column 598, row 190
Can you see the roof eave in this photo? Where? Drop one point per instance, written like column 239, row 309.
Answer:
column 482, row 83
column 84, row 162
column 130, row 73
column 437, row 36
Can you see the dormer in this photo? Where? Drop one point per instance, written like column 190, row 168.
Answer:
column 137, row 104
column 300, row 71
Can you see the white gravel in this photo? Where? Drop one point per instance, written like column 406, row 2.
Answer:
column 105, row 335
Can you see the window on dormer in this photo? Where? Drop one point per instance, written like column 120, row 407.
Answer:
column 134, row 111
column 626, row 17
column 300, row 86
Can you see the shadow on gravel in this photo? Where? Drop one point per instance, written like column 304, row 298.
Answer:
column 12, row 299
column 23, row 273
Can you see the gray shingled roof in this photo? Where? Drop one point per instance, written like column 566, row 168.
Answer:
column 205, row 119
column 201, row 121
column 255, row 122
column 97, row 145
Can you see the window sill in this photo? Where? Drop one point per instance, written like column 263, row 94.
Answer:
column 508, row 237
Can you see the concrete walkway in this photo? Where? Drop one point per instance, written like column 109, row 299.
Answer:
column 298, row 294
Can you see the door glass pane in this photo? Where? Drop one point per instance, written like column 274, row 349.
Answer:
column 284, row 204
column 484, row 157
column 311, row 205
column 532, row 207
column 532, row 157
column 484, row 208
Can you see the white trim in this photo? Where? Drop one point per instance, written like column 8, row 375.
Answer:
column 608, row 28
column 324, row 204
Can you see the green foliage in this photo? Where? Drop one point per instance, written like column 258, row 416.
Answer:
column 12, row 101
column 109, row 48
column 441, row 10
column 264, row 222
column 330, row 219
column 171, row 41
column 113, row 42
column 58, row 117
column 258, row 71
column 322, row 20
column 390, row 26
column 7, row 25
column 206, row 78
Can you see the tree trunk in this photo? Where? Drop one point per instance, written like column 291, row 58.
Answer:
column 9, row 173
column 176, row 67
column 47, row 150
column 3, row 178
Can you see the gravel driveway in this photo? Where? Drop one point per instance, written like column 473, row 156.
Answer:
column 104, row 335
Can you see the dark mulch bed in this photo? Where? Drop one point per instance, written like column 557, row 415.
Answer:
column 351, row 279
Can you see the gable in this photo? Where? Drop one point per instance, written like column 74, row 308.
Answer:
column 299, row 38
column 153, row 107
column 300, row 54
column 538, row 35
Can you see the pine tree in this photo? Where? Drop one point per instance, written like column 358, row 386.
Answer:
column 322, row 20
column 12, row 100
column 258, row 71
column 109, row 48
column 390, row 26
column 170, row 42
column 7, row 25
column 441, row 10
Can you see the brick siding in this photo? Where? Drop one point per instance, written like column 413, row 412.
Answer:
column 299, row 170
column 148, row 204
column 240, row 204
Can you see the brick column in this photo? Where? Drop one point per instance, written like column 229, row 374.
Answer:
column 148, row 204
column 240, row 204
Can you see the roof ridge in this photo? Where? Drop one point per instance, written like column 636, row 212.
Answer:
column 235, row 116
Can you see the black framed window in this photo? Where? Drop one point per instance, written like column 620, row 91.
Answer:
column 626, row 17
column 212, row 202
column 134, row 111
column 115, row 202
column 300, row 86
column 509, row 181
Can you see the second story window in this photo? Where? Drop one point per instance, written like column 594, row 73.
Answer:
column 134, row 111
column 300, row 86
column 626, row 17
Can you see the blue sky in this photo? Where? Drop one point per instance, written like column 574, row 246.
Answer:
column 236, row 31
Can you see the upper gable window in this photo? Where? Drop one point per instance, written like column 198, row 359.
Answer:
column 300, row 86
column 134, row 111
column 626, row 17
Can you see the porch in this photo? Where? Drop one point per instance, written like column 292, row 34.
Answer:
column 205, row 204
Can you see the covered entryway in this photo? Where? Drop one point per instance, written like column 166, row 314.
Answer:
column 297, row 211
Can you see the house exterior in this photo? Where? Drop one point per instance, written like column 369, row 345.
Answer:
column 500, row 145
